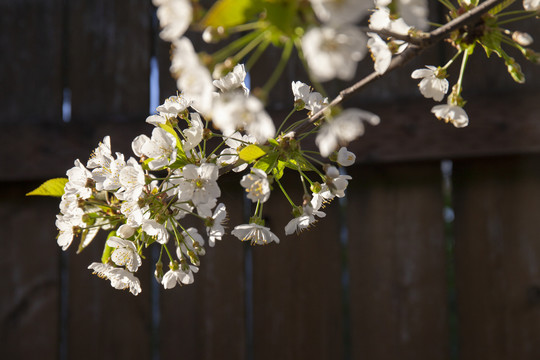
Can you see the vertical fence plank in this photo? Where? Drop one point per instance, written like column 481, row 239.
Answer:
column 31, row 93
column 109, row 59
column 297, row 308
column 498, row 257
column 205, row 320
column 31, row 60
column 29, row 285
column 103, row 322
column 109, row 62
column 397, row 263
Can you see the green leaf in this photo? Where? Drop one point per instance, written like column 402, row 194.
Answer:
column 229, row 13
column 282, row 15
column 497, row 9
column 491, row 42
column 301, row 163
column 251, row 152
column 52, row 187
column 278, row 170
column 267, row 162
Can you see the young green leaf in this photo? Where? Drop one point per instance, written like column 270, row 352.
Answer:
column 251, row 152
column 266, row 162
column 52, row 187
column 278, row 170
column 229, row 13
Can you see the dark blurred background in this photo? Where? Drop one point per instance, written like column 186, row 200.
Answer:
column 434, row 254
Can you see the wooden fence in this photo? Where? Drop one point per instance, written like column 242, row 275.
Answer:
column 384, row 276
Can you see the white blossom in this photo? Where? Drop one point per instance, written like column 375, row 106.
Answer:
column 176, row 275
column 124, row 253
column 233, row 80
column 192, row 242
column 79, row 180
column 161, row 148
column 451, row 113
column 237, row 111
column 342, row 129
column 134, row 213
column 311, row 100
column 102, row 155
column 67, row 226
column 336, row 182
column 413, row 12
column 345, row 157
column 235, row 143
column 174, row 17
column 155, row 230
column 215, row 229
column 125, row 231
column 173, row 106
column 531, row 5
column 304, row 220
column 120, row 278
column 300, row 91
column 194, row 134
column 319, row 199
column 255, row 233
column 198, row 183
column 193, row 78
column 111, row 175
column 340, row 11
column 196, row 85
column 132, row 181
column 334, row 52
column 433, row 84
column 381, row 19
column 382, row 53
column 256, row 185
column 156, row 120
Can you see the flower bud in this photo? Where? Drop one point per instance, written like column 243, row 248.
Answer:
column 194, row 258
column 532, row 56
column 514, row 69
column 213, row 34
column 316, row 187
column 522, row 38
column 158, row 273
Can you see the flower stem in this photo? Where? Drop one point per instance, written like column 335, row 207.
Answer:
column 466, row 54
column 452, row 60
column 285, row 193
column 285, row 120
column 168, row 253
column 528, row 16
column 249, row 46
column 222, row 54
column 448, row 4
column 257, row 53
column 285, row 55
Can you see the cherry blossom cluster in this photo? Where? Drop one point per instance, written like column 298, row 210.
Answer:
column 145, row 200
column 215, row 125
